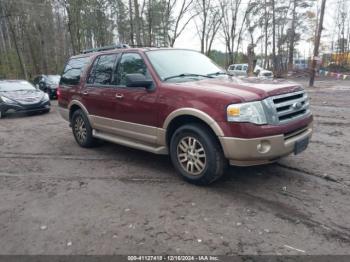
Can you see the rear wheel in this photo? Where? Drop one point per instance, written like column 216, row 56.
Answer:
column 2, row 114
column 197, row 155
column 82, row 129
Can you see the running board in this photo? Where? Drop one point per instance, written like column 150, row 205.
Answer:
column 160, row 150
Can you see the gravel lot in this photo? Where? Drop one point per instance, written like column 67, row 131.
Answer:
column 57, row 198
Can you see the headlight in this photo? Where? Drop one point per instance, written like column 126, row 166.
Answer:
column 7, row 100
column 45, row 97
column 252, row 112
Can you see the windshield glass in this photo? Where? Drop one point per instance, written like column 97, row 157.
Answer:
column 182, row 63
column 54, row 79
column 8, row 86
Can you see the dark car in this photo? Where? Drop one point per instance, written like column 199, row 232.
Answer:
column 47, row 84
column 22, row 96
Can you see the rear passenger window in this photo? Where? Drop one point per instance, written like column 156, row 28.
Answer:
column 72, row 71
column 102, row 69
column 238, row 67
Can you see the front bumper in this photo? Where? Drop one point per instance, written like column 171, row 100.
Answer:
column 41, row 106
column 262, row 150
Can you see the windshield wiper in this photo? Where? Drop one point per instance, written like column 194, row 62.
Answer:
column 186, row 75
column 217, row 73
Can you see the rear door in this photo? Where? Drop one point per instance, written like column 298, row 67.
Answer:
column 70, row 79
column 98, row 94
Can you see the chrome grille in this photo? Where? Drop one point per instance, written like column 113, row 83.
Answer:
column 287, row 107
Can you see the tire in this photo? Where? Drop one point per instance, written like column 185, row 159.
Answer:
column 197, row 155
column 2, row 114
column 46, row 111
column 82, row 129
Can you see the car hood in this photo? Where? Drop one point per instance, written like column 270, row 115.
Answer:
column 248, row 89
column 24, row 96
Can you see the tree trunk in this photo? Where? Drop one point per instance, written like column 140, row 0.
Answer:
column 131, row 24
column 266, row 36
column 150, row 23
column 137, row 23
column 317, row 44
column 273, row 37
column 240, row 33
column 204, row 26
column 251, row 59
column 292, row 37
column 18, row 52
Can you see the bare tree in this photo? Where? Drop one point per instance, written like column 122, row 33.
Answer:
column 210, row 18
column 317, row 44
column 9, row 14
column 230, row 9
column 181, row 21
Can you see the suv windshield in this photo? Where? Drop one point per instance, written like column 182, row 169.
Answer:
column 8, row 86
column 178, row 65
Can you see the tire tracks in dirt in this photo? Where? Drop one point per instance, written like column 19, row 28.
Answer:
column 281, row 210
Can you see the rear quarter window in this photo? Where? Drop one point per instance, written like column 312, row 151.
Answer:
column 73, row 69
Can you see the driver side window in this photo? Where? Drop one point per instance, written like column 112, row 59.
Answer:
column 131, row 63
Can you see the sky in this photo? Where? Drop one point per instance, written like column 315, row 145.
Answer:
column 189, row 38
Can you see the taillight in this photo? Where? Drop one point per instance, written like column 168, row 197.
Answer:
column 58, row 92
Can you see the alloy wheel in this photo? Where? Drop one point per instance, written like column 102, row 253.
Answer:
column 191, row 155
column 80, row 129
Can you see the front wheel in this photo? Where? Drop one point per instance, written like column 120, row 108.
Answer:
column 46, row 111
column 82, row 129
column 196, row 154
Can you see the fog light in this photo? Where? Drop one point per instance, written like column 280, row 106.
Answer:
column 263, row 147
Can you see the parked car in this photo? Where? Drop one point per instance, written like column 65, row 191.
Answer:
column 48, row 84
column 262, row 73
column 301, row 64
column 22, row 96
column 179, row 102
column 242, row 70
column 238, row 70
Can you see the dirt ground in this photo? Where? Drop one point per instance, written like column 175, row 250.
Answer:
column 57, row 198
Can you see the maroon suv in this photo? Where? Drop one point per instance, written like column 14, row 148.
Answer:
column 178, row 102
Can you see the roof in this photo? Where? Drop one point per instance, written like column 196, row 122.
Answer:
column 118, row 50
column 12, row 80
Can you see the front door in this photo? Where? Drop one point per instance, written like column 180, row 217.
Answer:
column 136, row 106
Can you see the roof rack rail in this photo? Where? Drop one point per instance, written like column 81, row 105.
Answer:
column 143, row 46
column 104, row 48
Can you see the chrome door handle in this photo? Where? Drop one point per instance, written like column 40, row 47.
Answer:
column 85, row 93
column 119, row 96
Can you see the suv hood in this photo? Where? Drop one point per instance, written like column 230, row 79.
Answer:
column 24, row 97
column 248, row 89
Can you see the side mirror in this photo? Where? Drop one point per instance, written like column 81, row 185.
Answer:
column 138, row 80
